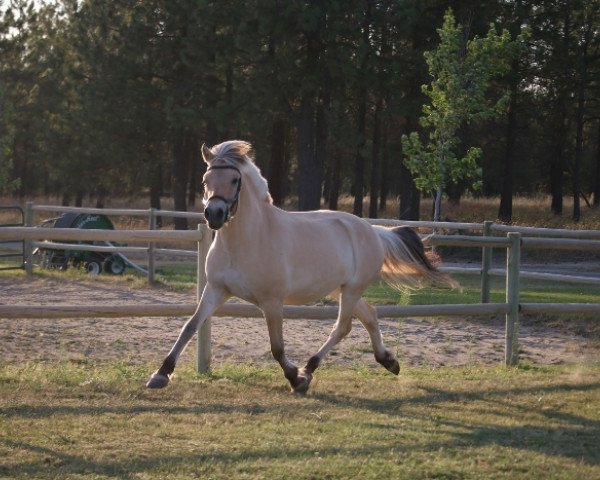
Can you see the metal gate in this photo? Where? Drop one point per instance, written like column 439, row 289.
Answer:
column 9, row 248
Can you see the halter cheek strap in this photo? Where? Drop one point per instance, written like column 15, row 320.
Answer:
column 232, row 202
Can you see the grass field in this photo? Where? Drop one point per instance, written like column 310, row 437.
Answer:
column 69, row 421
column 86, row 420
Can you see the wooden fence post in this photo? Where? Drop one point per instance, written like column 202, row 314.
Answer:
column 486, row 263
column 513, row 261
column 204, row 333
column 151, row 247
column 28, row 244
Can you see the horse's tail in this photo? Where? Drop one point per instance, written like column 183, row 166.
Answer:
column 406, row 264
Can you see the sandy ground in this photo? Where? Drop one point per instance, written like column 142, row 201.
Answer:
column 432, row 342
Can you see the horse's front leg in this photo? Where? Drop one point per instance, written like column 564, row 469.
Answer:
column 212, row 298
column 274, row 316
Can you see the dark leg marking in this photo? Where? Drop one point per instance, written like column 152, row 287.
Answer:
column 160, row 378
column 291, row 373
column 389, row 362
column 167, row 367
column 312, row 364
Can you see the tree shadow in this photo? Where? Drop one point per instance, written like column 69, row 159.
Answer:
column 576, row 436
column 571, row 435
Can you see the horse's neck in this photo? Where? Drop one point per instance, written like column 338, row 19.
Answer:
column 249, row 224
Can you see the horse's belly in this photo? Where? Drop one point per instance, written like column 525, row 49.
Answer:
column 317, row 286
column 304, row 298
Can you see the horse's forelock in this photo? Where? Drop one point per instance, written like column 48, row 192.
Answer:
column 232, row 151
column 239, row 154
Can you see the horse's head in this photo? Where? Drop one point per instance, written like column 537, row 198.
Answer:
column 222, row 183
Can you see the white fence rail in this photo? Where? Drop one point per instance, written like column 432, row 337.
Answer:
column 510, row 308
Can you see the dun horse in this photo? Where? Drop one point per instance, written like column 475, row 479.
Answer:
column 271, row 257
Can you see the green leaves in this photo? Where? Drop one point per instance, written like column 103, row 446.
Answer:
column 461, row 71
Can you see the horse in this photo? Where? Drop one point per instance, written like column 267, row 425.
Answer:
column 271, row 257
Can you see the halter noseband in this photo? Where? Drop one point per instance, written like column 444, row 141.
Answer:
column 231, row 203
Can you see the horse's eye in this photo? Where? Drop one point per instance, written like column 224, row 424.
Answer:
column 234, row 182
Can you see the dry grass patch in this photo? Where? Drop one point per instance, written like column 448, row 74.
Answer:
column 88, row 421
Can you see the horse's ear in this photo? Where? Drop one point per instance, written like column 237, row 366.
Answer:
column 207, row 154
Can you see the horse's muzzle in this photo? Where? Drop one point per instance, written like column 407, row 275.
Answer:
column 216, row 215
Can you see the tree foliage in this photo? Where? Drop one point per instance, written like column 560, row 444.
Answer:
column 462, row 70
column 104, row 98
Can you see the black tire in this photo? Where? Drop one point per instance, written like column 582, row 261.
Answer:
column 115, row 265
column 93, row 267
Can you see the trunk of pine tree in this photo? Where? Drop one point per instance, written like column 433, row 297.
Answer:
column 309, row 186
column 278, row 161
column 578, row 152
column 156, row 188
column 181, row 161
column 194, row 181
column 508, row 180
column 437, row 204
column 359, row 162
column 322, row 135
column 334, row 181
column 409, row 196
column 557, row 174
column 596, row 185
column 100, row 199
column 375, row 159
column 384, row 184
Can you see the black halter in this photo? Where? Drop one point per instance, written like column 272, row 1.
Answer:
column 232, row 202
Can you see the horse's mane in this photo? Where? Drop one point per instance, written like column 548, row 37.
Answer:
column 239, row 154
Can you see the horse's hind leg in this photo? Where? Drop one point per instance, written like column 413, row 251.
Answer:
column 368, row 316
column 342, row 327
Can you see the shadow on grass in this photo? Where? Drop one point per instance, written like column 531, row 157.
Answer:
column 577, row 437
column 570, row 436
column 577, row 443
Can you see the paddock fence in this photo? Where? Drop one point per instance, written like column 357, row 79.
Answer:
column 511, row 239
column 151, row 215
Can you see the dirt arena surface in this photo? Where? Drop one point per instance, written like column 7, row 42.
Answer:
column 433, row 342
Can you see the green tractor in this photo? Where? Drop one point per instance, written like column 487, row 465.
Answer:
column 93, row 262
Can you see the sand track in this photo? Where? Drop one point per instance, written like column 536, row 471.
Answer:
column 141, row 340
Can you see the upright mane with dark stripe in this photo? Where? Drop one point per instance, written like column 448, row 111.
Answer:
column 239, row 154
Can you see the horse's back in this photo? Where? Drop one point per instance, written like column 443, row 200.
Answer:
column 336, row 247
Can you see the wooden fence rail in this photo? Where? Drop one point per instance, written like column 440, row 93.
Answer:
column 151, row 214
column 488, row 230
column 203, row 237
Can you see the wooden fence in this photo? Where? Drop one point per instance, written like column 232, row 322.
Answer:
column 513, row 242
column 151, row 214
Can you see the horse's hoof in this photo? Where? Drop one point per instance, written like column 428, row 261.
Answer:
column 390, row 363
column 158, row 380
column 394, row 367
column 300, row 386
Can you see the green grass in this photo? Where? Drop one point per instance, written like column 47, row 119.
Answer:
column 183, row 277
column 532, row 291
column 97, row 421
